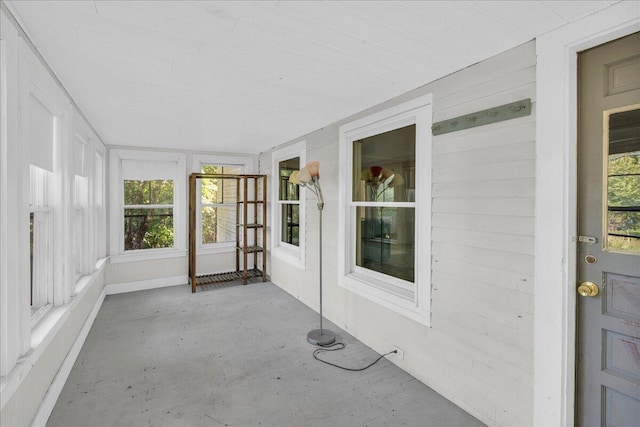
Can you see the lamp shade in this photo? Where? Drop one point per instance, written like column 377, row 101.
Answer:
column 313, row 168
column 304, row 176
column 293, row 178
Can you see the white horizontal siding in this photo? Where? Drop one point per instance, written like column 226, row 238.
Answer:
column 483, row 237
column 478, row 352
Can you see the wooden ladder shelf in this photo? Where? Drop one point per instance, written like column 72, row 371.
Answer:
column 251, row 230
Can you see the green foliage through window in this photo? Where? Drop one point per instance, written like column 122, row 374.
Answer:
column 623, row 194
column 148, row 214
column 218, row 198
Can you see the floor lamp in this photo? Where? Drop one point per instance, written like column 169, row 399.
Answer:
column 309, row 177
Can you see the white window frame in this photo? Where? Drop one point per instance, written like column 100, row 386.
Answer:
column 80, row 230
column 42, row 263
column 155, row 162
column 292, row 254
column 99, row 205
column 412, row 301
column 199, row 160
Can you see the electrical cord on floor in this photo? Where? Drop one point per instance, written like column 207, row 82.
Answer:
column 341, row 346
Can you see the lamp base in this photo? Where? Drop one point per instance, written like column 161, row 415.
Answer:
column 321, row 337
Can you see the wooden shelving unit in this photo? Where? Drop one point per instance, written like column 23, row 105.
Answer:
column 251, row 232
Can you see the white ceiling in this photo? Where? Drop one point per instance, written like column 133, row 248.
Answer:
column 242, row 77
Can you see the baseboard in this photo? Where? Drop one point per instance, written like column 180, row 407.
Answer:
column 50, row 399
column 143, row 285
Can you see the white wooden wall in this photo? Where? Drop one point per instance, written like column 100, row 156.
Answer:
column 40, row 125
column 478, row 352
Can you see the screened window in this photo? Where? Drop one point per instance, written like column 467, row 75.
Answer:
column 218, row 205
column 148, row 214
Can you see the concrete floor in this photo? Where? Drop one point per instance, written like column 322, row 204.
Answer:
column 233, row 356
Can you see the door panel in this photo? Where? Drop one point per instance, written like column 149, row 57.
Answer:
column 608, row 328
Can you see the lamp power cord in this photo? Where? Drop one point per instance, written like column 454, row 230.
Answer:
column 341, row 346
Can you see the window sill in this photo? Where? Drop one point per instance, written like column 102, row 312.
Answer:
column 387, row 295
column 42, row 334
column 211, row 250
column 83, row 281
column 147, row 256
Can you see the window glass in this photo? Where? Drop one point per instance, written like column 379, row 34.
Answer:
column 158, row 192
column 288, row 190
column 384, row 175
column 148, row 214
column 289, row 196
column 384, row 166
column 40, row 242
column 218, row 198
column 623, row 182
column 290, row 224
column 385, row 241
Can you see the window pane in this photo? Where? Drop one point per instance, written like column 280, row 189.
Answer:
column 211, row 169
column 31, row 243
column 40, row 260
column 216, row 190
column 384, row 166
column 290, row 224
column 623, row 218
column 385, row 240
column 623, row 182
column 153, row 192
column 148, row 228
column 288, row 190
column 218, row 224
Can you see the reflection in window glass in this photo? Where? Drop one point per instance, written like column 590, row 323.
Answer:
column 384, row 166
column 385, row 241
column 623, row 182
column 289, row 197
column 384, row 177
column 290, row 224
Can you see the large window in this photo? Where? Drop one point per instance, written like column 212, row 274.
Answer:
column 148, row 198
column 216, row 226
column 289, row 201
column 79, row 220
column 40, row 243
column 100, row 225
column 148, row 214
column 384, row 202
column 385, row 213
column 218, row 205
column 288, row 231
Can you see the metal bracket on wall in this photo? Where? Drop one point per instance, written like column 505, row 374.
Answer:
column 485, row 117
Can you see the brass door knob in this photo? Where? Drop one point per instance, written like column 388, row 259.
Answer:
column 588, row 289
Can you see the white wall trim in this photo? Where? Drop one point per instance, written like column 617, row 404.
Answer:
column 143, row 285
column 50, row 399
column 555, row 217
column 157, row 163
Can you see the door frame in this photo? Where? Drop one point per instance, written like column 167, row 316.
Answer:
column 556, row 205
